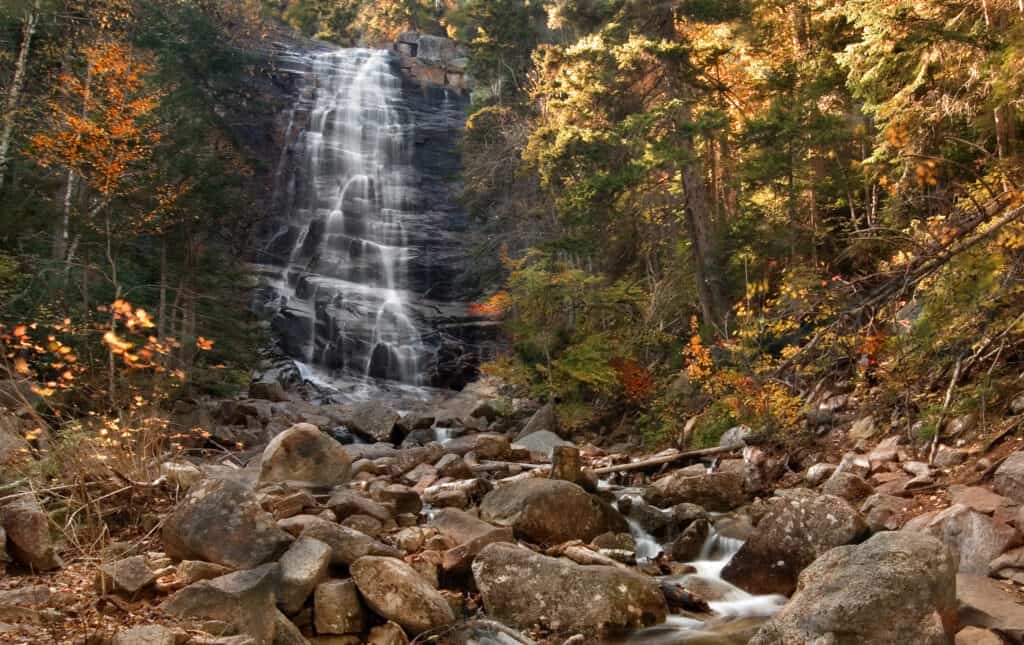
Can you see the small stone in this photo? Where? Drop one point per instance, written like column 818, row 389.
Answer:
column 145, row 635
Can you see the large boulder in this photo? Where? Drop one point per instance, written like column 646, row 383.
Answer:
column 304, row 454
column 792, row 533
column 303, row 566
column 28, row 533
column 973, row 538
column 244, row 600
column 721, row 491
column 220, row 521
column 983, row 602
column 1009, row 478
column 347, row 545
column 898, row 587
column 543, row 420
column 374, row 420
column 394, row 590
column 550, row 511
column 522, row 589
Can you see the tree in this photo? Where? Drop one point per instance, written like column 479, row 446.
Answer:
column 30, row 20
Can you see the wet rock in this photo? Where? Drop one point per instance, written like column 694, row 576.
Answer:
column 547, row 511
column 303, row 566
column 374, row 420
column 304, row 454
column 244, row 600
column 220, row 521
column 145, row 635
column 1009, row 478
column 522, row 589
column 337, row 608
column 394, row 590
column 794, row 531
column 848, row 486
column 983, row 602
column 128, row 576
column 28, row 533
column 884, row 512
column 347, row 545
column 348, row 502
column 688, row 546
column 721, row 491
column 973, row 538
column 897, row 587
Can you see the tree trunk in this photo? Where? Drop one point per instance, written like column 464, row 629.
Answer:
column 701, row 227
column 161, row 327
column 14, row 91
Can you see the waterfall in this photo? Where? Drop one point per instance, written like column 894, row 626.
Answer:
column 354, row 269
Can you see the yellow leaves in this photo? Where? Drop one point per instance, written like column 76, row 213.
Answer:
column 204, row 344
column 115, row 343
column 21, row 367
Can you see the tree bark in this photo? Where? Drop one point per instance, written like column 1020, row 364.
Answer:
column 14, row 91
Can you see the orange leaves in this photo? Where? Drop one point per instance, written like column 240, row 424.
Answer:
column 51, row 364
column 204, row 344
column 636, row 380
column 494, row 307
column 697, row 355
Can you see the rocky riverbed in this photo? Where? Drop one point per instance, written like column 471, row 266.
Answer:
column 471, row 519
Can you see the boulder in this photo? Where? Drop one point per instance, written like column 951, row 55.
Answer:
column 387, row 634
column 981, row 499
column 401, row 498
column 337, row 608
column 897, row 587
column 190, row 571
column 304, row 454
column 976, row 636
column 819, row 473
column 347, row 545
column 688, row 546
column 735, row 437
column 28, row 533
column 374, row 420
column 721, row 491
column 454, row 467
column 1009, row 566
column 543, row 420
column 1009, row 478
column 523, row 589
column 792, row 533
column 549, row 511
column 395, row 591
column 459, row 494
column 884, row 512
column 983, row 602
column 973, row 538
column 348, row 502
column 220, row 521
column 145, row 635
column 180, row 474
column 486, row 445
column 540, row 443
column 128, row 576
column 303, row 566
column 244, row 600
column 268, row 391
column 848, row 486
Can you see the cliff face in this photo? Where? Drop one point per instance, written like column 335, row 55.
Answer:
column 364, row 259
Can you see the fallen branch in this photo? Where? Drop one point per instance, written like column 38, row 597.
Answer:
column 664, row 459
column 945, row 408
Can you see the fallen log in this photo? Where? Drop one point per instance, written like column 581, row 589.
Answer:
column 664, row 459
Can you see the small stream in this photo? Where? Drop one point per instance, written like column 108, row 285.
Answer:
column 736, row 613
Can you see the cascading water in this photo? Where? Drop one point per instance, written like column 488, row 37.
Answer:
column 361, row 249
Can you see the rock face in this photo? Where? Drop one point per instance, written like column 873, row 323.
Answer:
column 794, row 531
column 221, row 522
column 522, row 589
column 244, row 600
column 394, row 590
column 547, row 511
column 898, row 587
column 1009, row 478
column 973, row 538
column 28, row 533
column 304, row 454
column 722, row 491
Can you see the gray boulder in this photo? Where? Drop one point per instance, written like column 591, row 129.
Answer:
column 28, row 533
column 374, row 420
column 550, row 511
column 145, row 635
column 347, row 545
column 1009, row 478
column 721, row 491
column 243, row 600
column 897, row 587
column 303, row 566
column 394, row 590
column 973, row 538
column 304, row 454
column 983, row 602
column 543, row 420
column 542, row 442
column 791, row 534
column 523, row 589
column 220, row 521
